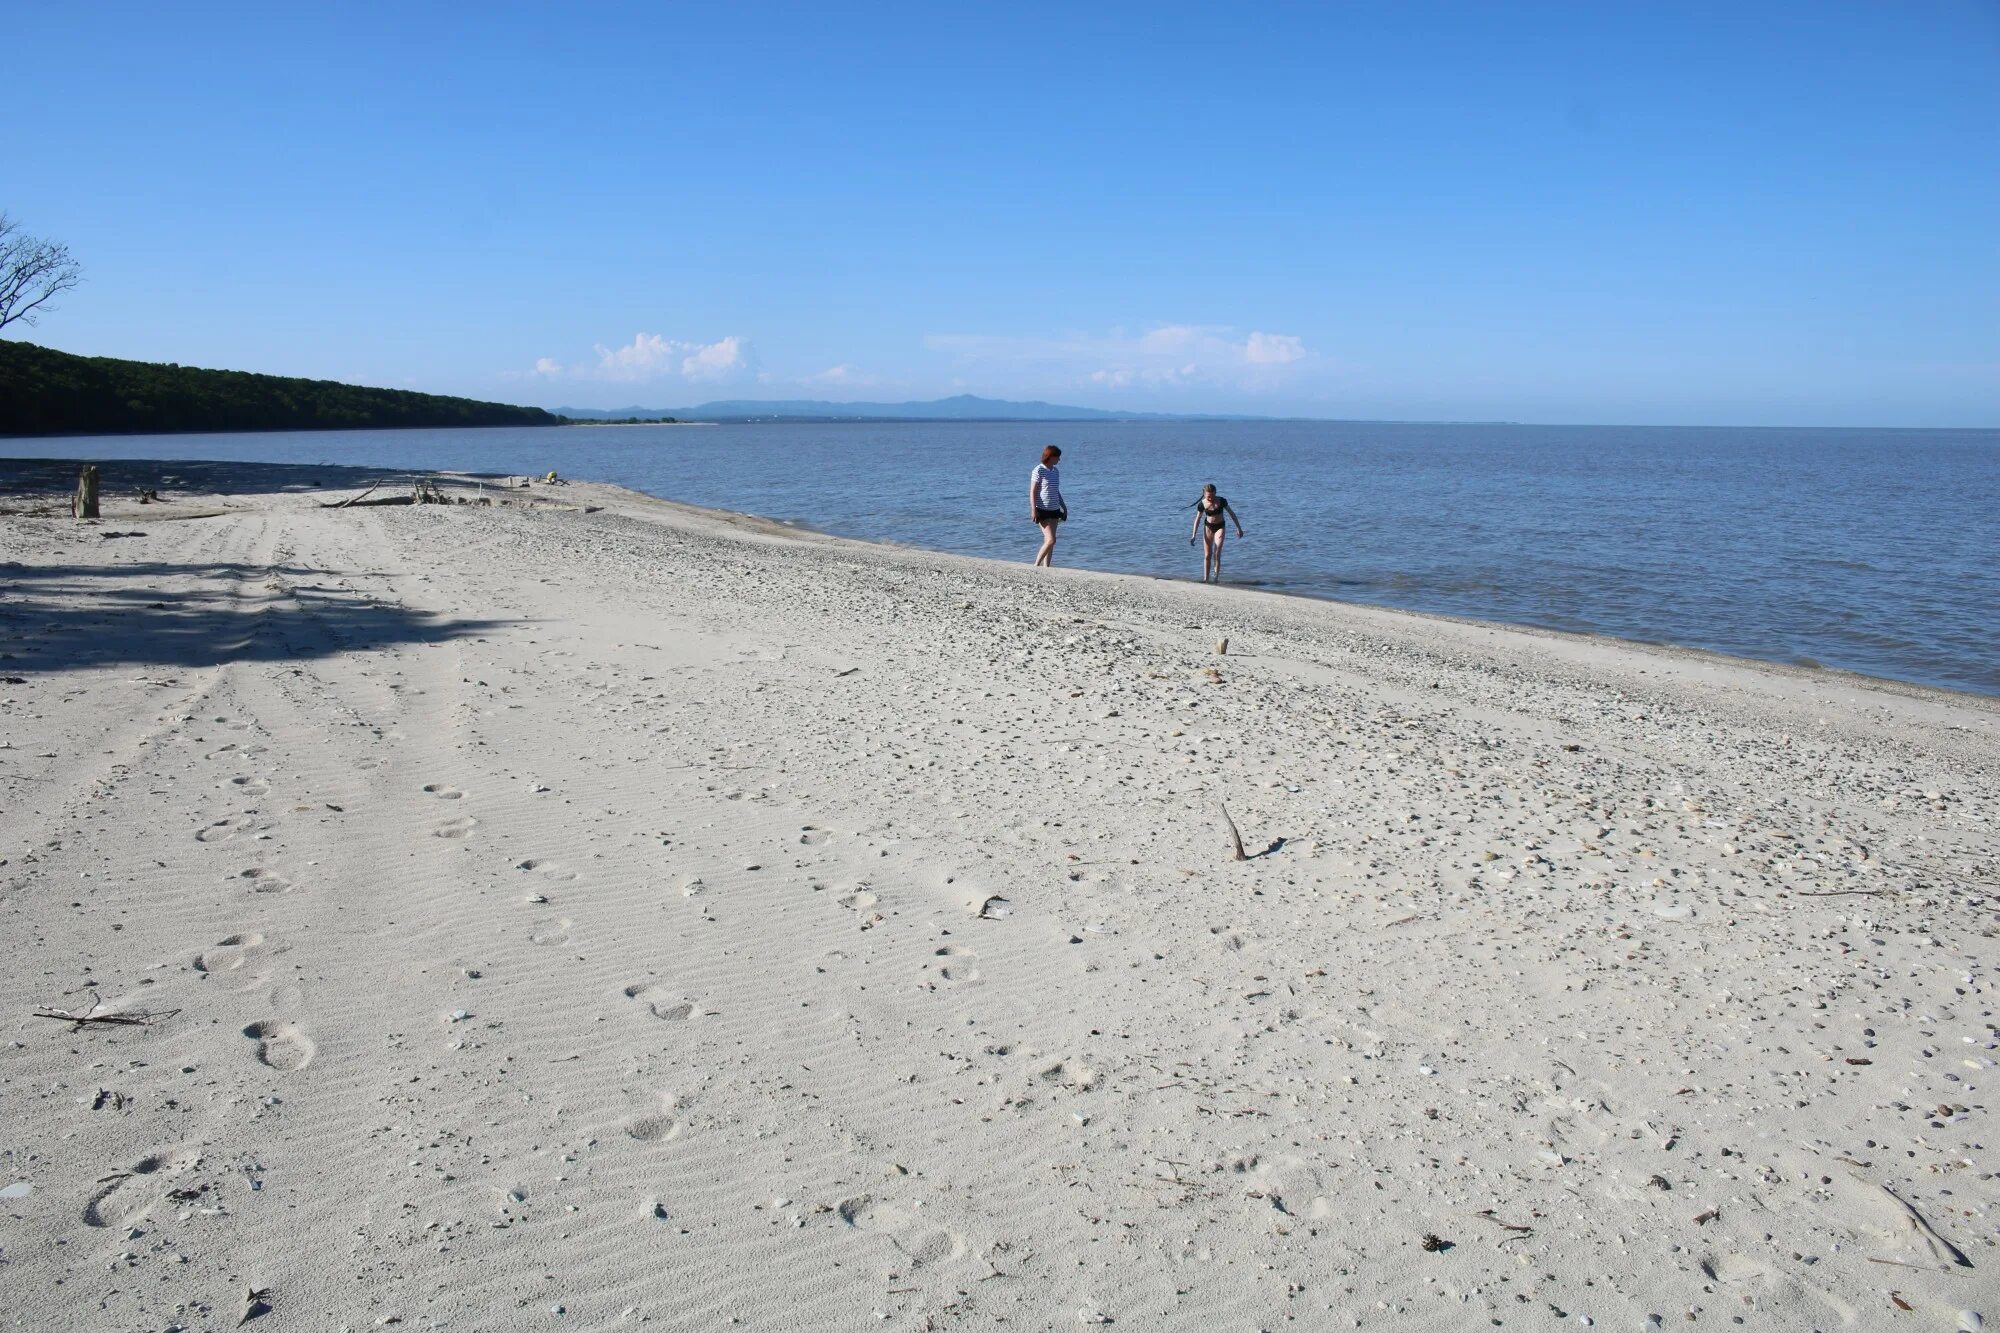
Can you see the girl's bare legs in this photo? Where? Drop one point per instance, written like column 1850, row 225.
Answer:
column 1046, row 556
column 1211, row 557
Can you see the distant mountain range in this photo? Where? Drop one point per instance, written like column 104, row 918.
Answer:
column 962, row 407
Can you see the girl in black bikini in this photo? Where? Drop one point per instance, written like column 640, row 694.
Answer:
column 1212, row 510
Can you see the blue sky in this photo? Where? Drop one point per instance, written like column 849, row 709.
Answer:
column 1732, row 213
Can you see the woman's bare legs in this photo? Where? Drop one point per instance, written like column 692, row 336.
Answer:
column 1047, row 555
column 1211, row 556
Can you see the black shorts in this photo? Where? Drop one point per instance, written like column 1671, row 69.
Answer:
column 1045, row 516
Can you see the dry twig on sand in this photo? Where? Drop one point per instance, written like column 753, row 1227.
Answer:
column 1943, row 1254
column 1970, row 877
column 256, row 1301
column 130, row 1018
column 1235, row 838
column 1488, row 1215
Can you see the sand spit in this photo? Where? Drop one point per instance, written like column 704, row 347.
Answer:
column 617, row 914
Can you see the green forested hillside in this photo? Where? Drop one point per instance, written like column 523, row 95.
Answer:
column 44, row 392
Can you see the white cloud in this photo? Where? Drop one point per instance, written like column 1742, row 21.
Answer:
column 715, row 361
column 1162, row 356
column 650, row 356
column 844, row 376
column 1273, row 349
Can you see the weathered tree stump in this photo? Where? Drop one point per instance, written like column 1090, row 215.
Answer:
column 84, row 503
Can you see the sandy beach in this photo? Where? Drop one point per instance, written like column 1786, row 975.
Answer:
column 577, row 910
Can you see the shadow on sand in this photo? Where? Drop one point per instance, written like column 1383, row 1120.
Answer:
column 56, row 617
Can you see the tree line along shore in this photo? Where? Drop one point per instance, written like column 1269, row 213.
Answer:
column 46, row 392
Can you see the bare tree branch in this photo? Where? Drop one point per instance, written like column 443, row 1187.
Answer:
column 31, row 272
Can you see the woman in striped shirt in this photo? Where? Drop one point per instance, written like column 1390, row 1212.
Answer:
column 1045, row 503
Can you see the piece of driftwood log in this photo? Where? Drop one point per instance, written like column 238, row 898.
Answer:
column 1235, row 838
column 352, row 498
column 84, row 503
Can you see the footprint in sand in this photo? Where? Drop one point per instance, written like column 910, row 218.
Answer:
column 222, row 830
column 1289, row 1185
column 550, row 930
column 862, row 903
column 957, row 964
column 660, row 1003
column 124, row 1198
column 546, row 869
column 1583, row 1123
column 454, row 828
column 230, row 958
column 251, row 786
column 904, row 1228
column 443, row 792
column 813, row 837
column 1070, row 1074
column 654, row 1117
column 264, row 881
column 1231, row 937
column 653, row 1129
column 281, row 1045
column 1732, row 1268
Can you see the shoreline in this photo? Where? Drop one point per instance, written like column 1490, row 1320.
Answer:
column 1796, row 670
column 1831, row 675
column 587, row 901
column 1801, row 671
column 1933, row 663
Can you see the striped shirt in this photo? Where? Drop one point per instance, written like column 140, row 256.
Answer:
column 1047, row 487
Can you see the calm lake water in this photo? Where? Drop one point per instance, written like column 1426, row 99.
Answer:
column 1871, row 550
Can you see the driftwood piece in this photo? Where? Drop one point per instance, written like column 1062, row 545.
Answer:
column 130, row 1018
column 256, row 1302
column 1492, row 1216
column 84, row 503
column 352, row 498
column 1235, row 838
column 1942, row 1253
